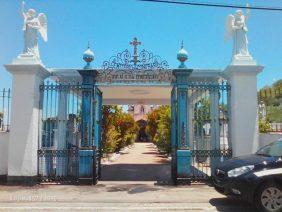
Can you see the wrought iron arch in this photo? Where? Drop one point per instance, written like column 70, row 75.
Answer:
column 142, row 60
column 135, row 66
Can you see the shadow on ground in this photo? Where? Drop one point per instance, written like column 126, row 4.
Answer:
column 136, row 172
column 232, row 205
column 132, row 188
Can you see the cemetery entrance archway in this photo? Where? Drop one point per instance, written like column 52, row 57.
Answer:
column 70, row 139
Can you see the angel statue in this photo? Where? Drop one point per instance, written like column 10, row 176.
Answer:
column 33, row 25
column 236, row 27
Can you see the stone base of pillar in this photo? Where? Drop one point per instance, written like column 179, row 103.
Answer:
column 26, row 59
column 183, row 163
column 86, row 167
column 243, row 60
column 22, row 180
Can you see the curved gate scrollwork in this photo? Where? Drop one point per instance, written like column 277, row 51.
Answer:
column 141, row 66
column 143, row 60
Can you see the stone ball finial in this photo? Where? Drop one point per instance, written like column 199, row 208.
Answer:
column 182, row 56
column 88, row 57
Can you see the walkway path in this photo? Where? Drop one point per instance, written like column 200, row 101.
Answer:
column 142, row 162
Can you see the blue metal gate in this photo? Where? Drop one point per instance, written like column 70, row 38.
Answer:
column 69, row 149
column 207, row 134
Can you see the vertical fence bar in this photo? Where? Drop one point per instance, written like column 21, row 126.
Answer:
column 5, row 104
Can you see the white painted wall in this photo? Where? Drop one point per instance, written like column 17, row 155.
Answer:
column 4, row 144
column 267, row 138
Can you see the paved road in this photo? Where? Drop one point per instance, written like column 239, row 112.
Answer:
column 142, row 162
column 117, row 196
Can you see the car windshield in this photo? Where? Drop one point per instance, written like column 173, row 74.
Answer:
column 272, row 150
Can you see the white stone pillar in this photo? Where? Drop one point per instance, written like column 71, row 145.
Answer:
column 214, row 127
column 243, row 105
column 23, row 142
column 62, row 119
column 62, row 132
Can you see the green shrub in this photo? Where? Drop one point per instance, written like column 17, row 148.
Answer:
column 152, row 124
column 119, row 129
column 274, row 113
column 111, row 140
column 264, row 126
column 158, row 128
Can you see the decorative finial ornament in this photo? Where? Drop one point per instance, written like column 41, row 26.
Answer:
column 182, row 56
column 88, row 57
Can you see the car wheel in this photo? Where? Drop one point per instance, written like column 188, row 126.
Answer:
column 269, row 198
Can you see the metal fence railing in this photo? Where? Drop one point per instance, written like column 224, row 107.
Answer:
column 5, row 108
column 276, row 127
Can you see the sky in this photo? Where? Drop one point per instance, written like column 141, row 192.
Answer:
column 109, row 26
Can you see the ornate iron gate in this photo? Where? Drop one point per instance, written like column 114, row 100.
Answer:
column 64, row 154
column 208, row 128
column 209, row 113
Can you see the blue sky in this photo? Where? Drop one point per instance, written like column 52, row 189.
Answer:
column 109, row 25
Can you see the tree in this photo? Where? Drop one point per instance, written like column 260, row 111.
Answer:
column 158, row 128
column 152, row 123
column 271, row 97
column 278, row 84
column 119, row 129
column 127, row 129
column 111, row 140
column 162, row 137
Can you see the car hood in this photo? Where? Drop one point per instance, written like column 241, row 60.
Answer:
column 244, row 161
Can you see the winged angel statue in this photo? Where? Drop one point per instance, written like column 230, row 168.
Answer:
column 236, row 27
column 33, row 25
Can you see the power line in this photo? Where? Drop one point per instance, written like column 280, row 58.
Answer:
column 216, row 5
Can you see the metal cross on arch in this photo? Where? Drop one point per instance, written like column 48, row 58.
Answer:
column 135, row 43
column 143, row 60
